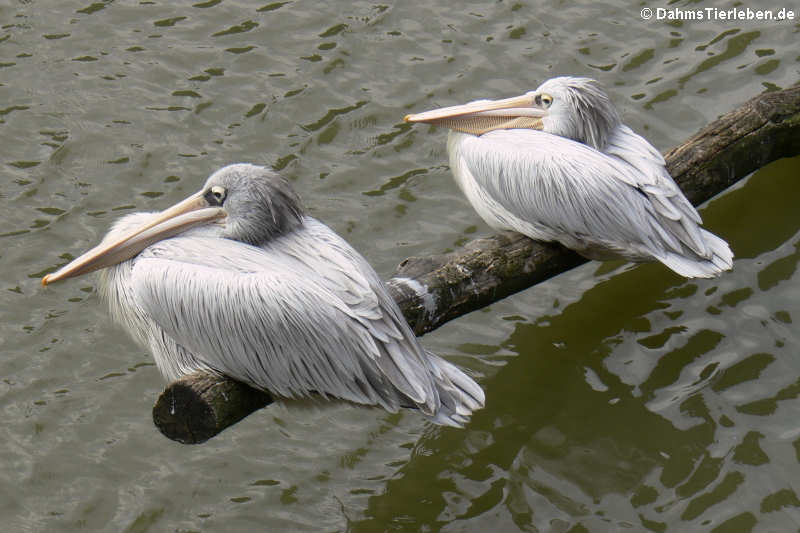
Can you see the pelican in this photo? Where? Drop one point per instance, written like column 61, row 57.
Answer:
column 557, row 164
column 238, row 280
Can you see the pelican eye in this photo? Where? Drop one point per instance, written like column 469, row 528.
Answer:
column 215, row 195
column 543, row 100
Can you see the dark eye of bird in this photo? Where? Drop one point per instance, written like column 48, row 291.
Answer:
column 215, row 195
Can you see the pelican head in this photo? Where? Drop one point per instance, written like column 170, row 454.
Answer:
column 578, row 109
column 260, row 204
column 243, row 202
column 575, row 108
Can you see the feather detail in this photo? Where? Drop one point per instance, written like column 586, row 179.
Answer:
column 619, row 203
column 303, row 314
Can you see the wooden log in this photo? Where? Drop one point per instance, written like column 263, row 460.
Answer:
column 197, row 406
column 434, row 290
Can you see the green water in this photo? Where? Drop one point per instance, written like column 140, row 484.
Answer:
column 619, row 398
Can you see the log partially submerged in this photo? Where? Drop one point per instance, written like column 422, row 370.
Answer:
column 433, row 290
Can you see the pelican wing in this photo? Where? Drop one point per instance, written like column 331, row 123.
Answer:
column 566, row 191
column 651, row 176
column 265, row 317
column 436, row 383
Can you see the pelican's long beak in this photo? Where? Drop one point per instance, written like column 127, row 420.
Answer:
column 486, row 115
column 186, row 214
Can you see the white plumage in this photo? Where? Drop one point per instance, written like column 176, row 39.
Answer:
column 576, row 175
column 273, row 298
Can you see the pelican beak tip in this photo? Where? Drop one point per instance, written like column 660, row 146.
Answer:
column 45, row 280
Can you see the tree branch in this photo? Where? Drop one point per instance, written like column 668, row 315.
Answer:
column 433, row 290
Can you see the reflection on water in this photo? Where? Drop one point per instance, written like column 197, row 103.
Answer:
column 664, row 410
column 618, row 397
column 650, row 416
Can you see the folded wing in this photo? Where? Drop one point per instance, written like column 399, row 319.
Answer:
column 305, row 314
column 622, row 200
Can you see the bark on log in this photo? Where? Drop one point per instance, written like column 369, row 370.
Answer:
column 434, row 290
column 197, row 406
